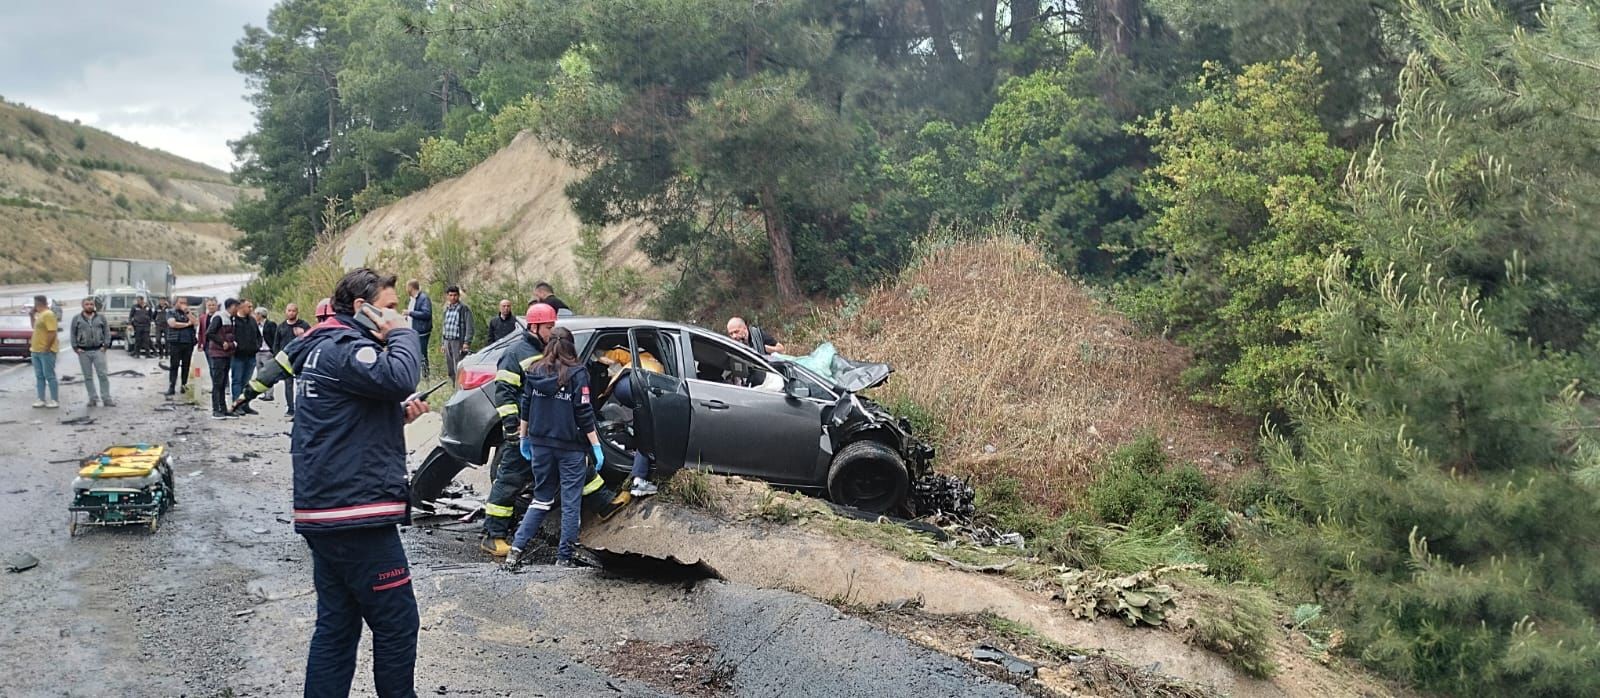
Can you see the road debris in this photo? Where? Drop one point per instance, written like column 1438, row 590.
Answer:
column 688, row 668
column 1012, row 663
column 965, row 567
column 126, row 373
column 79, row 420
column 21, row 562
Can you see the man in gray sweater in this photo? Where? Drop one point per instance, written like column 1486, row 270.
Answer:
column 91, row 339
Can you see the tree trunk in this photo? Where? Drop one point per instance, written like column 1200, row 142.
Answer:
column 1023, row 14
column 444, row 99
column 939, row 33
column 1117, row 25
column 782, row 248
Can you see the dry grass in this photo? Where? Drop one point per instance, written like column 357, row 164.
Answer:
column 1025, row 373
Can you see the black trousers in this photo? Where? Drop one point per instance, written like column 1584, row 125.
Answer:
column 179, row 365
column 424, row 337
column 219, row 382
column 362, row 575
column 513, row 475
column 141, row 342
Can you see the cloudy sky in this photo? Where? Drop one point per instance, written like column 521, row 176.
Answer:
column 158, row 72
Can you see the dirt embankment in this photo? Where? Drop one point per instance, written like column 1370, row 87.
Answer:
column 519, row 190
column 807, row 556
column 1026, row 374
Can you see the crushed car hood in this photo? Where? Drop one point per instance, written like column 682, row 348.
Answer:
column 849, row 374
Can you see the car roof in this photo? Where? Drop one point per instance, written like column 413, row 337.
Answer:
column 586, row 322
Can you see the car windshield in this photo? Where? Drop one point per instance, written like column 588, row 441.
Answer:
column 15, row 322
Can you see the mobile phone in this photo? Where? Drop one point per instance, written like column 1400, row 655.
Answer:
column 368, row 317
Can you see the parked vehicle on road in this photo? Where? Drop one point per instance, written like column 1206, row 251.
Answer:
column 717, row 406
column 153, row 276
column 16, row 330
column 115, row 304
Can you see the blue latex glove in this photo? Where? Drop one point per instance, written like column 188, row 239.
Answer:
column 599, row 458
column 527, row 449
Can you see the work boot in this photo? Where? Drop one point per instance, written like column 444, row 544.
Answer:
column 514, row 559
column 266, row 398
column 245, row 409
column 497, row 547
column 643, row 487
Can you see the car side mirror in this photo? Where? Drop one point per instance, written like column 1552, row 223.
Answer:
column 796, row 389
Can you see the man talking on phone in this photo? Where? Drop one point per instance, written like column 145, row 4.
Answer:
column 353, row 397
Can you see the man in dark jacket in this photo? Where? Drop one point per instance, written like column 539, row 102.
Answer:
column 180, row 331
column 219, row 355
column 246, row 342
column 269, row 345
column 140, row 318
column 420, row 309
column 503, row 324
column 354, row 377
column 158, row 336
column 544, row 293
column 91, row 339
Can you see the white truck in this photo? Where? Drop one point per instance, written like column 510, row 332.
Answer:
column 116, row 283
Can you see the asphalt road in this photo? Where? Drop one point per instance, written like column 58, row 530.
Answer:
column 219, row 600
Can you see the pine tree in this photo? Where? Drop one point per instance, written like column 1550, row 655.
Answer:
column 1443, row 475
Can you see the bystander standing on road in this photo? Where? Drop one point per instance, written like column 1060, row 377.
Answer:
column 501, row 324
column 246, row 340
column 269, row 343
column 181, row 337
column 42, row 354
column 420, row 309
column 544, row 293
column 456, row 330
column 158, row 336
column 356, row 374
column 219, row 355
column 91, row 339
column 289, row 330
column 140, row 317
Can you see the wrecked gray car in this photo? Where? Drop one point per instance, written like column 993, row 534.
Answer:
column 716, row 405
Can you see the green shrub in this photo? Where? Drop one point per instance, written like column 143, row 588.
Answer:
column 79, row 142
column 1233, row 620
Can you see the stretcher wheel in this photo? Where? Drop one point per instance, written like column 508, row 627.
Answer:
column 72, row 524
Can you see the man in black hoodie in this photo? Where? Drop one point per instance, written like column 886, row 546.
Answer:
column 246, row 342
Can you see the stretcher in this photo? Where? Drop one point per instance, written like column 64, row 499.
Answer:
column 122, row 486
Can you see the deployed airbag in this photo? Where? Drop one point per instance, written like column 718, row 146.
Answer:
column 848, row 374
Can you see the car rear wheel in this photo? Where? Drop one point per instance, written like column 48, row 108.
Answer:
column 869, row 476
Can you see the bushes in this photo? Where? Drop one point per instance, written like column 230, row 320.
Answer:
column 1138, row 489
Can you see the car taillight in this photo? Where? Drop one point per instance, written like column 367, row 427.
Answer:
column 469, row 378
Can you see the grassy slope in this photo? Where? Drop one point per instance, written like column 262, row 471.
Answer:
column 1025, row 374
column 61, row 203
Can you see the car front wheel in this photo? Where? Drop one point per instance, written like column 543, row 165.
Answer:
column 869, row 476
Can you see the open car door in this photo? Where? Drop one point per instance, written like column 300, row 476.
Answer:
column 663, row 412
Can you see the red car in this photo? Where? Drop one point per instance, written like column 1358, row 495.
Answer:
column 15, row 333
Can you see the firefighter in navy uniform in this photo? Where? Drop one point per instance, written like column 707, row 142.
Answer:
column 514, row 473
column 355, row 377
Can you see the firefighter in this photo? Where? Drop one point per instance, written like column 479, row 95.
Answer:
column 275, row 371
column 356, row 374
column 514, row 473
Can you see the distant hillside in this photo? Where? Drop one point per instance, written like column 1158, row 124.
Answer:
column 519, row 190
column 68, row 192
